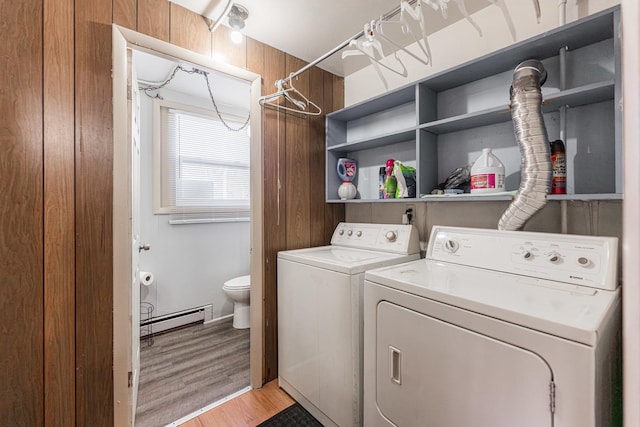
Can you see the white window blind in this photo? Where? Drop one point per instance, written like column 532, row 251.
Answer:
column 204, row 167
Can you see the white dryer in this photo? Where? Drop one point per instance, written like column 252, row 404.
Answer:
column 495, row 329
column 320, row 293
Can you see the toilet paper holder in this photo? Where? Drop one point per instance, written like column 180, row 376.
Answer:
column 146, row 278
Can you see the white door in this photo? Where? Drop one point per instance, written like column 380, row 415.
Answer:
column 136, row 245
column 126, row 235
column 433, row 373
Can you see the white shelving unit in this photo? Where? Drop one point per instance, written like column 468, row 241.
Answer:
column 443, row 122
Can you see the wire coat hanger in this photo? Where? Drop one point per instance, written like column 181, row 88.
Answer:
column 368, row 48
column 299, row 100
column 422, row 42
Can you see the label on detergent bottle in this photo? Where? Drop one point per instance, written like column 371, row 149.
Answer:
column 346, row 169
column 487, row 173
column 486, row 180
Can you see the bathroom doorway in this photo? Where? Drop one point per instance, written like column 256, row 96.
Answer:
column 127, row 45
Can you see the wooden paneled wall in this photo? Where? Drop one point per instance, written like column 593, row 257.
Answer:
column 21, row 201
column 56, row 244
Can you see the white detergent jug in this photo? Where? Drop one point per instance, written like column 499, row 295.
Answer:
column 487, row 174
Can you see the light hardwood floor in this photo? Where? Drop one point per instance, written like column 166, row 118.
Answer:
column 246, row 410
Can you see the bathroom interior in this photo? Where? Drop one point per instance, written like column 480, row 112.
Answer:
column 194, row 261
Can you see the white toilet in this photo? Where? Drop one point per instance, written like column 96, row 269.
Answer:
column 238, row 290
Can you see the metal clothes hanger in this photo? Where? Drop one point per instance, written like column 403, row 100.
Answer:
column 418, row 16
column 422, row 42
column 294, row 96
column 368, row 48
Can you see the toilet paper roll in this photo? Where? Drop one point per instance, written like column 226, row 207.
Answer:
column 146, row 278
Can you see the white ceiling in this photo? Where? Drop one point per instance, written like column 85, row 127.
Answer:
column 309, row 29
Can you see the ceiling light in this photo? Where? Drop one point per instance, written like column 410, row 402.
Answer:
column 237, row 16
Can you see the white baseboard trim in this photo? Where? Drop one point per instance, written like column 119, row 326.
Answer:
column 218, row 319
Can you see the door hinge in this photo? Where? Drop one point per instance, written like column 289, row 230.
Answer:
column 129, row 379
column 552, row 397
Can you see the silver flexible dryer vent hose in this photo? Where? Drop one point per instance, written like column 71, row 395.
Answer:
column 531, row 134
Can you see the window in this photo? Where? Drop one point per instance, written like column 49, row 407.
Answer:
column 202, row 168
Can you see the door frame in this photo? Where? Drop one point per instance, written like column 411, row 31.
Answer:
column 124, row 39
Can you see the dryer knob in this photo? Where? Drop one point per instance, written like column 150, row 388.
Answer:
column 583, row 261
column 359, row 234
column 391, row 236
column 349, row 233
column 527, row 255
column 341, row 232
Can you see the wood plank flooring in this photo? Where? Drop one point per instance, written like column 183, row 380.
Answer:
column 190, row 368
column 246, row 410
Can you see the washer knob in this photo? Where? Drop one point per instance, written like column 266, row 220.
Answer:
column 527, row 254
column 341, row 232
column 391, row 236
column 359, row 233
column 554, row 258
column 349, row 233
column 451, row 246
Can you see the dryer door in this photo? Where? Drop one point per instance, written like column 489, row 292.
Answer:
column 436, row 374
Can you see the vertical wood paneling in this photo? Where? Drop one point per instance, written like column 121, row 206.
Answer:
column 94, row 205
column 21, row 234
column 255, row 58
column 297, row 166
column 153, row 18
column 338, row 92
column 274, row 199
column 59, row 214
column 333, row 212
column 189, row 30
column 329, row 208
column 317, row 170
column 337, row 209
column 124, row 13
column 221, row 44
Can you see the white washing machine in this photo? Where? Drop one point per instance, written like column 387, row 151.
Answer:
column 495, row 329
column 320, row 293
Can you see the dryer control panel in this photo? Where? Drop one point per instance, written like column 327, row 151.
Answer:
column 580, row 260
column 396, row 238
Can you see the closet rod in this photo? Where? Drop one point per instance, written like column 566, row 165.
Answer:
column 342, row 45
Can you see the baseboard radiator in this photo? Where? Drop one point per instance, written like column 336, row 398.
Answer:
column 157, row 324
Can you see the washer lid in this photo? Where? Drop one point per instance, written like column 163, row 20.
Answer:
column 570, row 311
column 344, row 260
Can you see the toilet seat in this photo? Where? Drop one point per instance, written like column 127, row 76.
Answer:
column 242, row 282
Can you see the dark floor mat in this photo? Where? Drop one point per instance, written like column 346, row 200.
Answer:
column 294, row 415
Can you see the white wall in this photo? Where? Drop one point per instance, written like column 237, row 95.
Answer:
column 191, row 262
column 460, row 42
